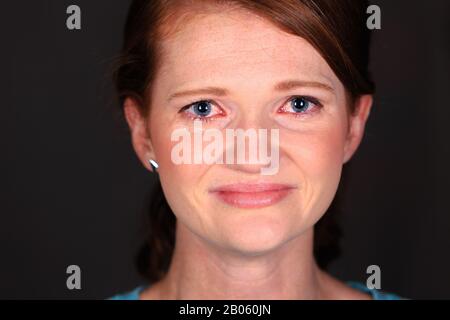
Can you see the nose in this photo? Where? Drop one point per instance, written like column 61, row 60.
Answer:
column 252, row 145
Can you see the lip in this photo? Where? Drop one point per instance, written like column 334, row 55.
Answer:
column 252, row 195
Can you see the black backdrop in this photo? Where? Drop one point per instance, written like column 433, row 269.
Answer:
column 72, row 190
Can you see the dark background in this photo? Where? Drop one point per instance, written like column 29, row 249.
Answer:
column 72, row 190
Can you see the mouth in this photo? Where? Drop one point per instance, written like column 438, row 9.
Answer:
column 244, row 195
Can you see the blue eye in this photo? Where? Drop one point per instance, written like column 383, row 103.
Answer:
column 300, row 104
column 202, row 108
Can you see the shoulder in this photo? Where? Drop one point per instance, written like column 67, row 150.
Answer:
column 129, row 295
column 374, row 293
column 336, row 289
column 360, row 287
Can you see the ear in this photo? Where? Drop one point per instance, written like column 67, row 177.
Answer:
column 357, row 122
column 140, row 135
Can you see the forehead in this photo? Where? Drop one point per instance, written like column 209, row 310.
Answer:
column 236, row 49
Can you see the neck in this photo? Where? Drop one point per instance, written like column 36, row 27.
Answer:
column 200, row 270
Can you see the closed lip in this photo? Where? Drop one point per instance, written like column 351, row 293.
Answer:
column 252, row 187
column 252, row 195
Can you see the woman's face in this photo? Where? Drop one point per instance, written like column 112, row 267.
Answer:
column 248, row 57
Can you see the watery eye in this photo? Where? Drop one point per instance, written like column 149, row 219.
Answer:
column 202, row 108
column 301, row 104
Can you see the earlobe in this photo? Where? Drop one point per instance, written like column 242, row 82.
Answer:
column 140, row 136
column 357, row 122
column 154, row 165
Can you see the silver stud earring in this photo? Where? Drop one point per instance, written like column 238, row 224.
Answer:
column 153, row 164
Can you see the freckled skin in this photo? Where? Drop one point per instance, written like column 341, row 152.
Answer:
column 247, row 55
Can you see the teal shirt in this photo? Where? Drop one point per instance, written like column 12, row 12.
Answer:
column 376, row 294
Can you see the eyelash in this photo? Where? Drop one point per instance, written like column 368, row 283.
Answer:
column 309, row 99
column 196, row 117
column 316, row 105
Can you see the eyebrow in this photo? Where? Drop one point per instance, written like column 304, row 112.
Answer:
column 281, row 86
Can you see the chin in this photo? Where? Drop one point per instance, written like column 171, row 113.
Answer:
column 256, row 235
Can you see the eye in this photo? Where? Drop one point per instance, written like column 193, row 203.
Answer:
column 300, row 105
column 203, row 110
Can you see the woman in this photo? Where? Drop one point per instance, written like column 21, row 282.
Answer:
column 297, row 68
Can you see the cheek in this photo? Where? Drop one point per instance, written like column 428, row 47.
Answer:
column 318, row 155
column 180, row 174
column 180, row 182
column 319, row 149
column 322, row 153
